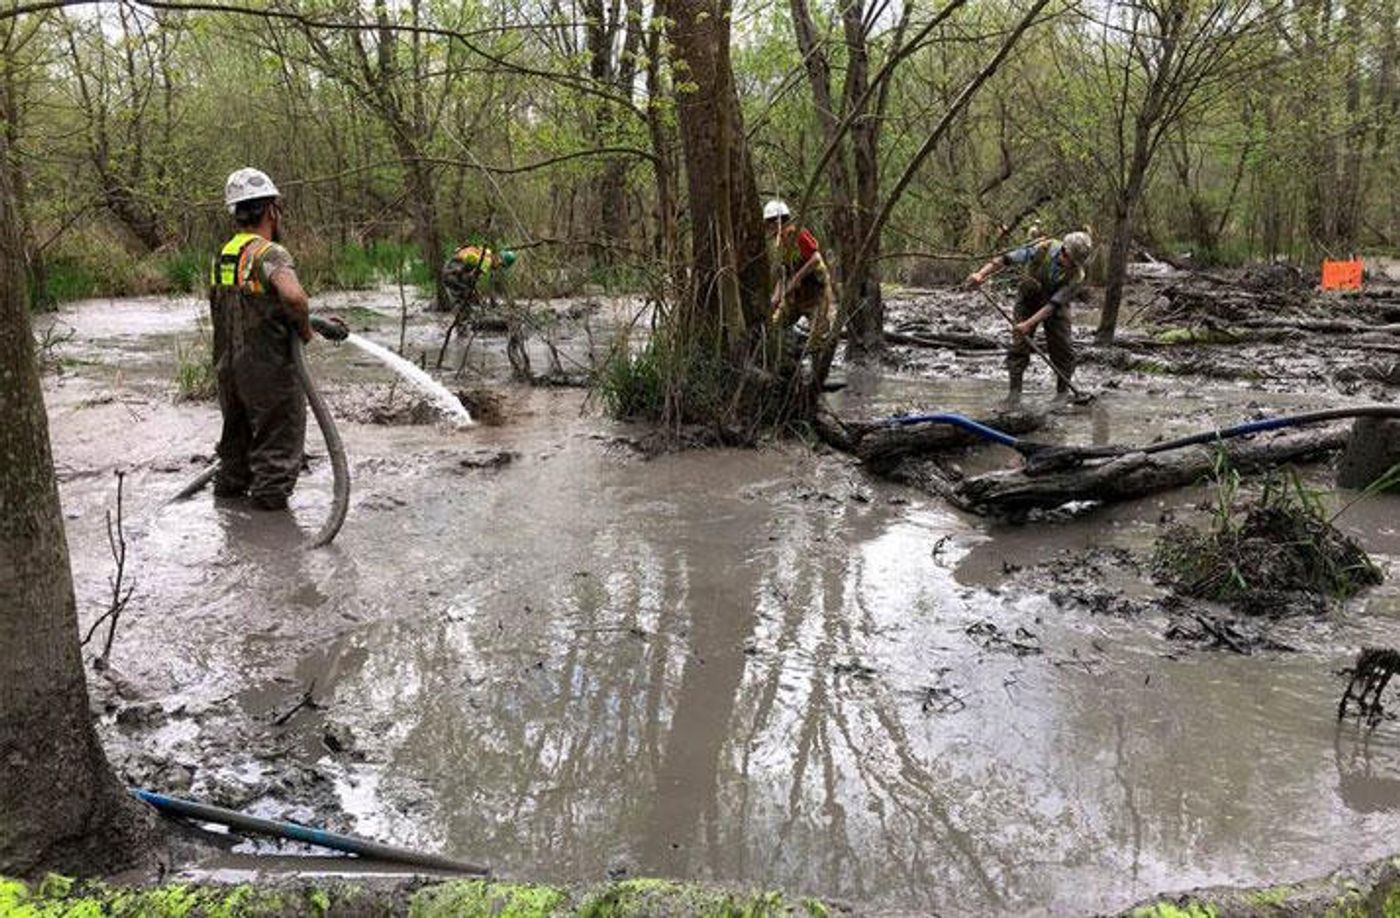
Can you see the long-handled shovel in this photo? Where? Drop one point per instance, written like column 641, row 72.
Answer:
column 1080, row 396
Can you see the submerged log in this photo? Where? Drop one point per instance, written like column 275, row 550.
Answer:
column 1136, row 474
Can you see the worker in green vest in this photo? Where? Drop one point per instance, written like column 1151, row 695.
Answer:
column 257, row 304
column 1052, row 273
column 470, row 267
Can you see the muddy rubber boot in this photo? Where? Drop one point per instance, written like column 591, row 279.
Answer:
column 1062, row 391
column 1013, row 390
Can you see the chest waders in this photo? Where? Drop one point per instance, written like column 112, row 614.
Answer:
column 262, row 374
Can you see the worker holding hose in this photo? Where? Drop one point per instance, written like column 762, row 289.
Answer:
column 1052, row 273
column 257, row 303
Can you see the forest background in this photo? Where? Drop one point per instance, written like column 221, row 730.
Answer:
column 1230, row 129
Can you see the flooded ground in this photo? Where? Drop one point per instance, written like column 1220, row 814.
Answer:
column 533, row 647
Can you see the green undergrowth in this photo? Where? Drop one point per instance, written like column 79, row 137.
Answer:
column 90, row 263
column 62, row 897
column 1169, row 910
column 360, row 266
column 667, row 382
column 195, row 379
column 1183, row 336
column 663, row 381
column 1365, row 891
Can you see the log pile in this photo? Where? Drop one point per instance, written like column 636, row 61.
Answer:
column 1014, row 492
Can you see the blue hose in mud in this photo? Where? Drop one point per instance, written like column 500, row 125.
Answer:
column 203, row 812
column 1047, row 455
column 991, row 434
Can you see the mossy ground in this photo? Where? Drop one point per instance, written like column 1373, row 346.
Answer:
column 1368, row 891
column 62, row 897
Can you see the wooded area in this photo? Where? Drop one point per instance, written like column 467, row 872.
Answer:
column 590, row 133
column 629, row 145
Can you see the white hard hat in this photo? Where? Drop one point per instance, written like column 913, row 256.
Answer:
column 776, row 208
column 1079, row 247
column 248, row 184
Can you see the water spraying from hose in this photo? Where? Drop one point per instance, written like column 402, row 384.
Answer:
column 442, row 399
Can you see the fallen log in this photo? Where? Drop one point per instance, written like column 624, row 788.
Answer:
column 1136, row 474
column 883, row 445
column 878, row 443
column 1207, row 335
column 961, row 340
column 1120, row 358
column 1321, row 326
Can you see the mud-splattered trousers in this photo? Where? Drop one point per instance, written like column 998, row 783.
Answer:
column 261, row 398
column 1059, row 340
column 1045, row 279
column 813, row 298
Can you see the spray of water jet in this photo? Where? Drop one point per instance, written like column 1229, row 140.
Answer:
column 443, row 400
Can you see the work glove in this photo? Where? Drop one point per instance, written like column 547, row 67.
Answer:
column 332, row 328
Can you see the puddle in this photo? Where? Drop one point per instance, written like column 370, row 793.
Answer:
column 752, row 666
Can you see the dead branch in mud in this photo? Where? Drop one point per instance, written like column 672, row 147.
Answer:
column 1370, row 675
column 1320, row 326
column 878, row 443
column 121, row 591
column 307, row 701
column 1133, row 475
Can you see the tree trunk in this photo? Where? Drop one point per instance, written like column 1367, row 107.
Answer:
column 61, row 806
column 727, row 290
column 1116, row 270
column 666, row 234
column 863, row 306
column 423, row 205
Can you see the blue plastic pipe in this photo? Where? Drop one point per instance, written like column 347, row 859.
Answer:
column 203, row 812
column 991, row 434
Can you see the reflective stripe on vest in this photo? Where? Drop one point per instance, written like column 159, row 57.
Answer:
column 234, row 266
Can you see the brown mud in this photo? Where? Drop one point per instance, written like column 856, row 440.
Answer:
column 542, row 646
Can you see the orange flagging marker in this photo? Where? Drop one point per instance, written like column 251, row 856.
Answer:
column 1341, row 275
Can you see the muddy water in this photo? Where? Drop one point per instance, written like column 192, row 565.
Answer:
column 744, row 665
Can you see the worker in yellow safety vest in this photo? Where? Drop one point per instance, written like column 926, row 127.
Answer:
column 257, row 304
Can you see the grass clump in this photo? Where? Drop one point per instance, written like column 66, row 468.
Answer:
column 185, row 270
column 195, row 379
column 1268, row 556
column 65, row 279
column 666, row 383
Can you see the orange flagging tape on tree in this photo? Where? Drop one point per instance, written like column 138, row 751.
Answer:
column 1341, row 275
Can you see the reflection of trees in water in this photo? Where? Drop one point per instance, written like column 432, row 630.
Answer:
column 551, row 744
column 853, row 805
column 1363, row 786
column 536, row 723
